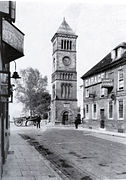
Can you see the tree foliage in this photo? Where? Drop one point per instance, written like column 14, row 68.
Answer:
column 31, row 91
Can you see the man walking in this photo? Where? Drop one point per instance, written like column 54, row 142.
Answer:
column 38, row 120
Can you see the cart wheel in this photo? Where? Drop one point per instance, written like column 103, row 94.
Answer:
column 18, row 122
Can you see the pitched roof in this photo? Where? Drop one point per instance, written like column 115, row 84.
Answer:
column 65, row 28
column 105, row 63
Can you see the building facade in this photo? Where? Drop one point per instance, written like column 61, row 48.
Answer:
column 64, row 76
column 104, row 95
column 11, row 48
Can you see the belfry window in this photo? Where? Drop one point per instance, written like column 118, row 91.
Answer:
column 66, row 44
column 70, row 45
column 61, row 44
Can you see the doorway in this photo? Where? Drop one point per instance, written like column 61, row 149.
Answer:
column 65, row 117
column 102, row 118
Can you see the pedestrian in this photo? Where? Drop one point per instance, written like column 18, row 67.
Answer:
column 38, row 120
column 76, row 123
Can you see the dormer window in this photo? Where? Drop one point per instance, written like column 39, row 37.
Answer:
column 118, row 52
column 114, row 54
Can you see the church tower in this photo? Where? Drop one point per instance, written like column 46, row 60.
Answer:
column 64, row 76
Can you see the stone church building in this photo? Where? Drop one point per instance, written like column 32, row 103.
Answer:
column 64, row 75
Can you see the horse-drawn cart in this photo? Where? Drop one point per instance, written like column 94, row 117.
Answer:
column 19, row 121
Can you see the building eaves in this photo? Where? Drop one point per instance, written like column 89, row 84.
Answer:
column 104, row 64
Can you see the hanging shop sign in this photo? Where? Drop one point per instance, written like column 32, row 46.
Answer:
column 4, row 84
column 107, row 83
column 13, row 42
column 12, row 36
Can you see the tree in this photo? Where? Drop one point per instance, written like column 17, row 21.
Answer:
column 31, row 91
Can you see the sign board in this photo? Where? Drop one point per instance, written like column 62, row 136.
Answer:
column 66, row 105
column 4, row 83
column 7, row 9
column 107, row 83
column 12, row 36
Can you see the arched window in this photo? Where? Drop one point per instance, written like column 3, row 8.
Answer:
column 54, row 63
column 63, row 76
column 60, row 75
column 67, row 44
column 62, row 89
column 54, row 91
column 64, row 44
column 68, row 76
column 70, row 45
column 61, row 44
column 71, row 76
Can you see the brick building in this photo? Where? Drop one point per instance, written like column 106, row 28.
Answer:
column 64, row 76
column 104, row 95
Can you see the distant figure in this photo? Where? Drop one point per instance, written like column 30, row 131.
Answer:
column 77, row 121
column 38, row 120
column 27, row 118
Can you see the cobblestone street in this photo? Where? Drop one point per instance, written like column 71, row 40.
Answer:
column 79, row 154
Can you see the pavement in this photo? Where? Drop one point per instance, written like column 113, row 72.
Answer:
column 25, row 163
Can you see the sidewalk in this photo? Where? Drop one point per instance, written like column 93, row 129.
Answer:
column 104, row 131
column 100, row 130
column 99, row 133
column 25, row 163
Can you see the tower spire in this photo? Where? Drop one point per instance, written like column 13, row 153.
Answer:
column 65, row 28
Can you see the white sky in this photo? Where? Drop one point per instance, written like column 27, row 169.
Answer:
column 100, row 26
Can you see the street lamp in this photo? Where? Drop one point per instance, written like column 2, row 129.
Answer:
column 15, row 74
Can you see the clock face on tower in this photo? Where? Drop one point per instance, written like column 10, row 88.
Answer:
column 66, row 61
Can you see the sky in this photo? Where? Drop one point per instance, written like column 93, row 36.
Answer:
column 100, row 26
